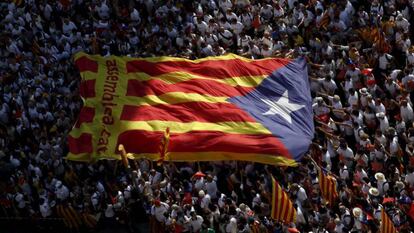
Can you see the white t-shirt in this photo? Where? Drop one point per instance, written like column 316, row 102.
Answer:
column 409, row 179
column 344, row 173
column 205, row 201
column 384, row 124
column 158, row 211
column 347, row 153
column 407, row 113
column 196, row 224
column 384, row 60
column 211, row 188
column 103, row 11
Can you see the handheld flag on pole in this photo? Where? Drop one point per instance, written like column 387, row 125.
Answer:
column 164, row 146
column 327, row 184
column 124, row 156
column 218, row 108
column 282, row 207
column 387, row 226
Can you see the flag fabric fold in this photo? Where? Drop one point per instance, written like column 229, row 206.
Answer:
column 282, row 207
column 216, row 108
column 387, row 226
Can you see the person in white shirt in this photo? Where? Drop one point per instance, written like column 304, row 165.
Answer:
column 320, row 108
column 383, row 122
column 68, row 26
column 246, row 19
column 154, row 177
column 392, row 87
column 200, row 25
column 300, row 193
column 103, row 10
column 376, row 8
column 382, row 184
column 266, row 51
column 211, row 187
column 402, row 23
column 353, row 98
column 225, row 4
column 364, row 97
column 278, row 10
column 196, row 222
column 345, row 153
column 353, row 72
column 337, row 25
column 204, row 199
column 20, row 200
column 236, row 26
column 384, row 60
column 226, row 36
column 329, row 85
column 231, row 227
column 409, row 178
column 406, row 80
column 158, row 210
column 62, row 192
column 44, row 207
column 135, row 16
column 406, row 111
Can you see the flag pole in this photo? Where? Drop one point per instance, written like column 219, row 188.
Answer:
column 314, row 163
column 125, row 162
column 124, row 157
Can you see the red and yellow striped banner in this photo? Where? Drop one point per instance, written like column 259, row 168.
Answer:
column 132, row 101
column 387, row 226
column 282, row 207
column 327, row 184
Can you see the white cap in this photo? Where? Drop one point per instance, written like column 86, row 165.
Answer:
column 201, row 193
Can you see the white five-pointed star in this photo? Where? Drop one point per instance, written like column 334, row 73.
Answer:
column 282, row 107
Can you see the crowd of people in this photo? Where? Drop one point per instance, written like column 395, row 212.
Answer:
column 361, row 72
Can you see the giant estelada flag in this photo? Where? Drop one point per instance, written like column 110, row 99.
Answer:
column 216, row 108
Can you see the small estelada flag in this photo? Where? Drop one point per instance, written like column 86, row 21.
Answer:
column 327, row 184
column 282, row 207
column 387, row 226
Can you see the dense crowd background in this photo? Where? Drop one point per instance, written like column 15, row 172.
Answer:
column 361, row 72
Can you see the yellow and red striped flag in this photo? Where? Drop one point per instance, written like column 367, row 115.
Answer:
column 325, row 20
column 217, row 108
column 327, row 184
column 387, row 226
column 164, row 146
column 282, row 207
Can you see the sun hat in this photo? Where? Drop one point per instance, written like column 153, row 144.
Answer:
column 373, row 192
column 380, row 176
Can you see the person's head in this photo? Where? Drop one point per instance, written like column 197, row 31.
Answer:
column 336, row 99
column 319, row 101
